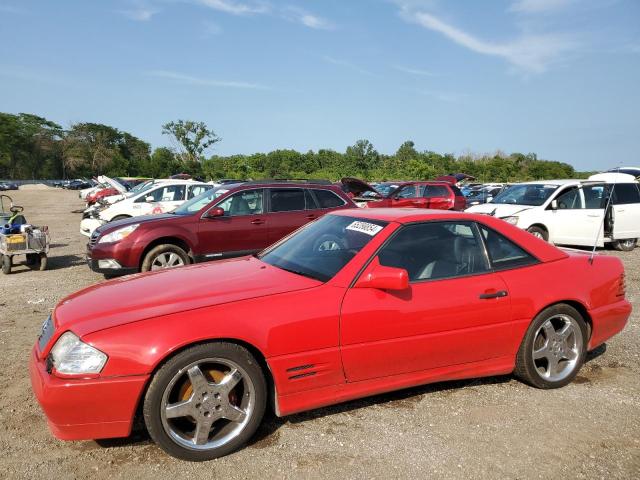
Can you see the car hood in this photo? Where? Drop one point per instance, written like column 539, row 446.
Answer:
column 109, row 227
column 153, row 294
column 498, row 210
column 357, row 187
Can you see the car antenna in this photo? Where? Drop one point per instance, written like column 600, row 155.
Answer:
column 604, row 217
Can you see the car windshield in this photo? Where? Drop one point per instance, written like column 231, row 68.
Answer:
column 531, row 194
column 323, row 247
column 198, row 202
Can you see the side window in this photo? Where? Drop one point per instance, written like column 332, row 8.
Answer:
column 569, row 199
column 625, row 193
column 328, row 199
column 431, row 191
column 503, row 253
column 594, row 196
column 287, row 199
column 196, row 190
column 156, row 196
column 429, row 251
column 410, row 191
column 247, row 202
column 309, row 201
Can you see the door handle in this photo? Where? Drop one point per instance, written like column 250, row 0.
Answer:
column 498, row 294
column 593, row 216
column 257, row 221
column 311, row 217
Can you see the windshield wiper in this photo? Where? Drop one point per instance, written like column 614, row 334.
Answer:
column 298, row 272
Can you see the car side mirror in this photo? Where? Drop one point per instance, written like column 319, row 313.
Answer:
column 149, row 199
column 215, row 212
column 383, row 278
column 554, row 204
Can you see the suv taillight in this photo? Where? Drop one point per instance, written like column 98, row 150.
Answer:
column 622, row 286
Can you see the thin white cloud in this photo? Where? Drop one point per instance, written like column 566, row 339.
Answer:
column 204, row 82
column 414, row 71
column 529, row 52
column 305, row 18
column 236, row 8
column 346, row 64
column 11, row 9
column 539, row 6
column 139, row 14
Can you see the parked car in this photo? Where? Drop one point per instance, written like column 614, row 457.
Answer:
column 419, row 194
column 572, row 212
column 485, row 194
column 152, row 198
column 227, row 221
column 78, row 184
column 4, row 186
column 202, row 351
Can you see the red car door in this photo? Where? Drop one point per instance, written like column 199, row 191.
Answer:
column 438, row 197
column 455, row 311
column 409, row 196
column 240, row 231
column 289, row 209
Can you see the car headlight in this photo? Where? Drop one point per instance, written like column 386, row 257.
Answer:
column 119, row 234
column 72, row 356
column 511, row 220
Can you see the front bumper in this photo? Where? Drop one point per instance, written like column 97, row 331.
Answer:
column 86, row 409
column 94, row 264
column 88, row 225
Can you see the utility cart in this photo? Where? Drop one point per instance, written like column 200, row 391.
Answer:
column 17, row 237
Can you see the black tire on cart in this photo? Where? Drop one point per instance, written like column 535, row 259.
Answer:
column 6, row 264
column 42, row 262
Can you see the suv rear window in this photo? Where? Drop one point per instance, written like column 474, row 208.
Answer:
column 624, row 193
column 328, row 199
column 291, row 199
column 431, row 191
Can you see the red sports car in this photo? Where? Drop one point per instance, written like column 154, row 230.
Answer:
column 402, row 297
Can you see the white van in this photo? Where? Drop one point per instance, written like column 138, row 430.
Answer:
column 160, row 197
column 572, row 212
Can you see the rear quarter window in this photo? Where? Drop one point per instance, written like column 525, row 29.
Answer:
column 625, row 193
column 328, row 199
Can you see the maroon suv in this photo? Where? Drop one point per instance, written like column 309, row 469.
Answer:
column 228, row 221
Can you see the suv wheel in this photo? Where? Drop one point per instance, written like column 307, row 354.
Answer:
column 164, row 256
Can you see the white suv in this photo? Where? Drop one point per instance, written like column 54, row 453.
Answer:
column 572, row 212
column 158, row 197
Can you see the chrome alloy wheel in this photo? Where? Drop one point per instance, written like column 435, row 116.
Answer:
column 207, row 404
column 557, row 346
column 167, row 260
column 537, row 234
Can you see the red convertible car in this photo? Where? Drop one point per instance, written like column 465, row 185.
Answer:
column 403, row 297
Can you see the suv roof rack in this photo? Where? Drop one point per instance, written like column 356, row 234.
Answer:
column 291, row 180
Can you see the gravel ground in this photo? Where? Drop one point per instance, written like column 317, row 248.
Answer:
column 495, row 427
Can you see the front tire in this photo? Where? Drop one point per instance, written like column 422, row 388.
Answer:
column 553, row 349
column 164, row 256
column 626, row 245
column 539, row 232
column 206, row 402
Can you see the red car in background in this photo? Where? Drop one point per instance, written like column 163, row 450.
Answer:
column 437, row 195
column 228, row 221
column 401, row 298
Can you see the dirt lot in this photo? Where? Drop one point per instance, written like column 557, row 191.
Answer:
column 495, row 427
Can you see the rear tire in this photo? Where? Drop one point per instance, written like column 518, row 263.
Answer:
column 553, row 349
column 539, row 232
column 6, row 264
column 164, row 256
column 626, row 245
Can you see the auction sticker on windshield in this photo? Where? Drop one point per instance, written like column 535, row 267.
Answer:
column 364, row 227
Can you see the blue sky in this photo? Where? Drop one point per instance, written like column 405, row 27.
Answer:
column 557, row 77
